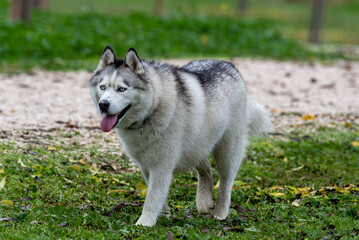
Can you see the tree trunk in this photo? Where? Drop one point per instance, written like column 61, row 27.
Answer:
column 21, row 10
column 242, row 6
column 41, row 4
column 315, row 35
column 158, row 7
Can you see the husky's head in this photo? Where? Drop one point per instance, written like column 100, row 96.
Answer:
column 120, row 89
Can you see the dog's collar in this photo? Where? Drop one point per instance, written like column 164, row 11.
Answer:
column 138, row 125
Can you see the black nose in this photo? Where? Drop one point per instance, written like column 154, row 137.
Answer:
column 104, row 105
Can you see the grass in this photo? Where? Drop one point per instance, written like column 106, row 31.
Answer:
column 64, row 183
column 291, row 17
column 57, row 41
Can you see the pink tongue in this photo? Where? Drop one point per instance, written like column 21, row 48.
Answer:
column 108, row 122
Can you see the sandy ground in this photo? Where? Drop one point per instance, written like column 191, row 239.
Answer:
column 53, row 99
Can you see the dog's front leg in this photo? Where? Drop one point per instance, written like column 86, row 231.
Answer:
column 158, row 185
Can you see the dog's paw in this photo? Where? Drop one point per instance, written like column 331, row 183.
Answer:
column 204, row 207
column 219, row 214
column 204, row 202
column 145, row 222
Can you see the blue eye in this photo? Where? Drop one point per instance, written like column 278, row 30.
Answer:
column 102, row 87
column 121, row 89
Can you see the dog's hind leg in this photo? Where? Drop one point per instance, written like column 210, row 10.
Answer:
column 204, row 200
column 228, row 155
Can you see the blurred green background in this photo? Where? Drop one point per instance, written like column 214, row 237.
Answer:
column 72, row 34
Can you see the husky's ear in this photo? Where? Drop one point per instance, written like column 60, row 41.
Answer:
column 134, row 62
column 108, row 57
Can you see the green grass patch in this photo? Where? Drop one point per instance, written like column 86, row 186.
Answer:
column 67, row 42
column 65, row 183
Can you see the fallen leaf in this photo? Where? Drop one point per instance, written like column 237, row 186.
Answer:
column 304, row 189
column 27, row 207
column 64, row 224
column 355, row 143
column 308, row 117
column 296, row 203
column 170, row 236
column 216, row 186
column 2, row 183
column 51, row 148
column 292, row 190
column 296, row 169
column 252, row 229
column 83, row 162
column 348, row 124
column 7, row 219
column 116, row 191
column 75, row 167
column 6, row 202
column 235, row 229
column 118, row 207
column 114, row 232
column 22, row 164
column 274, row 188
column 142, row 189
column 205, row 230
column 277, row 194
column 2, row 170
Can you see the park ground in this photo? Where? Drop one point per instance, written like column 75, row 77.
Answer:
column 62, row 178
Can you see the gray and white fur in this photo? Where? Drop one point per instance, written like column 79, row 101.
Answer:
column 171, row 119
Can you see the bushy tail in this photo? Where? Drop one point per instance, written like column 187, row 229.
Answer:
column 259, row 122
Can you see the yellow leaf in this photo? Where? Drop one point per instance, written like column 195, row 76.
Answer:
column 116, row 191
column 6, row 202
column 204, row 39
column 355, row 143
column 94, row 169
column 22, row 164
column 37, row 166
column 296, row 169
column 348, row 124
column 2, row 170
column 83, row 162
column 67, row 180
column 217, row 185
column 51, row 148
column 75, row 167
column 2, row 183
column 276, row 188
column 95, row 178
column 342, row 190
column 292, row 190
column 239, row 183
column 285, row 159
column 178, row 206
column 304, row 189
column 194, row 184
column 298, row 125
column 142, row 189
column 308, row 117
column 277, row 194
column 265, row 143
column 143, row 193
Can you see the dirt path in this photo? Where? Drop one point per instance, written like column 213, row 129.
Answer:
column 52, row 99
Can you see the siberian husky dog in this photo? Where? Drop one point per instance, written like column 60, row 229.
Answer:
column 171, row 119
